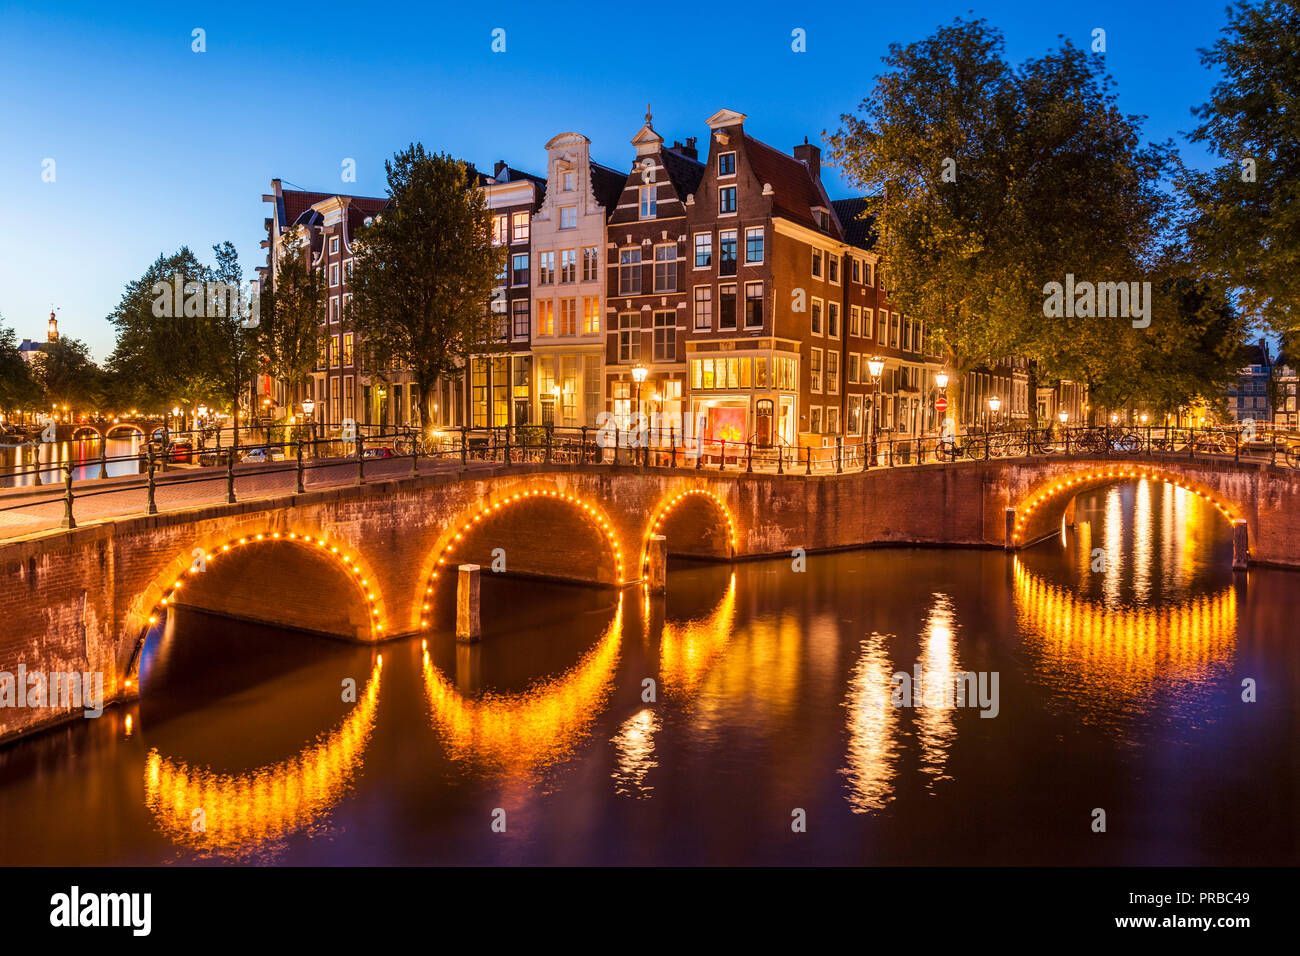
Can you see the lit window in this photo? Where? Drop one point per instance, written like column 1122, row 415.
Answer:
column 519, row 227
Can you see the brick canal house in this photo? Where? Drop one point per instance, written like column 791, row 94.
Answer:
column 648, row 308
column 339, row 386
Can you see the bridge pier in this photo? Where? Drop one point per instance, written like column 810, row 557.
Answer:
column 657, row 561
column 469, row 626
column 1240, row 545
column 1009, row 530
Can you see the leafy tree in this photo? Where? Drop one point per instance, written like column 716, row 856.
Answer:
column 1243, row 217
column 18, row 389
column 67, row 375
column 425, row 272
column 232, row 350
column 990, row 181
column 291, row 314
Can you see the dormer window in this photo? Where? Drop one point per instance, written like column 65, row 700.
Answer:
column 822, row 217
column 727, row 164
column 567, row 179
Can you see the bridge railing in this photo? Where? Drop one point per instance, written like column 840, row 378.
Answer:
column 395, row 451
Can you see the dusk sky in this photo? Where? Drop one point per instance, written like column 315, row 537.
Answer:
column 156, row 146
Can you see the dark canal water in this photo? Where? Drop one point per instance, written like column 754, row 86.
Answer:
column 1119, row 688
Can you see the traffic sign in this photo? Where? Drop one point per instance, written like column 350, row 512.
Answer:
column 941, row 404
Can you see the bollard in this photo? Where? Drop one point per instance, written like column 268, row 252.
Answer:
column 807, row 459
column 103, row 459
column 361, row 459
column 68, row 520
column 230, row 477
column 464, row 446
column 298, row 450
column 468, row 591
column 672, row 443
column 657, row 564
column 839, row 455
column 152, row 507
column 415, row 456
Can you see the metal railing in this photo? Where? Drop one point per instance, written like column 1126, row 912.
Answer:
column 399, row 451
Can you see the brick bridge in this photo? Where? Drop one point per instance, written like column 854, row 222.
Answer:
column 374, row 561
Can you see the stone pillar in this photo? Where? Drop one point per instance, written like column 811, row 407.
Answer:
column 1069, row 513
column 468, row 625
column 1240, row 546
column 1008, row 540
column 657, row 564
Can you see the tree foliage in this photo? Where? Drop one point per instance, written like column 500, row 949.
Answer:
column 291, row 314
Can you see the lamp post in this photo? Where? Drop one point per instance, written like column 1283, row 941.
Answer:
column 994, row 404
column 941, row 383
column 639, row 373
column 308, row 407
column 876, row 366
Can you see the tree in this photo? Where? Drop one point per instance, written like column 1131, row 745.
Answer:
column 18, row 389
column 425, row 271
column 67, row 375
column 291, row 315
column 233, row 355
column 989, row 182
column 1243, row 217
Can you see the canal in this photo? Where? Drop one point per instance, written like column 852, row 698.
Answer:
column 745, row 719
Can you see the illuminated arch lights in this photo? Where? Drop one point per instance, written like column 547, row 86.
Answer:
column 672, row 503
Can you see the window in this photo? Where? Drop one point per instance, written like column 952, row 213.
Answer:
column 545, row 268
column 545, row 317
column 347, row 304
column 853, row 426
column 703, row 250
column 347, row 348
column 590, row 315
column 336, row 351
column 815, row 419
column 832, row 420
column 907, row 335
column 629, row 337
column 815, row 316
column 815, row 370
column 519, row 318
column 868, row 323
column 866, row 273
column 334, row 309
column 753, row 305
column 666, row 267
column 499, row 230
column 665, row 337
column 857, row 270
column 519, row 269
column 833, row 268
column 853, row 367
column 649, row 202
column 478, row 384
column 703, row 307
column 817, row 263
column 334, row 244
column 568, row 317
column 347, row 268
column 519, row 227
column 726, row 307
column 566, row 180
column 521, row 368
column 833, row 319
column 754, row 245
column 727, row 252
column 621, row 393
column 855, row 319
column 629, row 272
column 832, row 373
column 895, row 327
column 568, row 217
column 726, row 164
column 568, row 265
column 334, row 274
column 349, row 397
column 727, row 199
column 590, row 263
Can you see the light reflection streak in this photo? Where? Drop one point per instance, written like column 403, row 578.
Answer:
column 250, row 810
column 515, row 734
column 634, row 748
column 688, row 649
column 935, row 728
column 872, row 725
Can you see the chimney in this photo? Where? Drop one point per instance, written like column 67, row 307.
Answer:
column 812, row 155
column 686, row 149
column 496, row 170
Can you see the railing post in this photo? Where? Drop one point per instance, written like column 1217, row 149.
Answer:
column 672, row 443
column 722, row 458
column 582, row 452
column 839, row 455
column 1067, row 441
column 807, row 460
column 548, row 446
column 780, row 458
column 891, row 453
column 699, row 448
column 507, row 447
column 103, row 459
column 361, row 458
column 152, row 507
column 415, row 455
column 988, row 444
column 298, row 450
column 230, row 477
column 749, row 456
column 68, row 520
column 464, row 446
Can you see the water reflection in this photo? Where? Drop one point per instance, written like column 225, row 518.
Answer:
column 634, row 749
column 519, row 734
column 873, row 726
column 256, row 809
column 935, row 728
column 49, row 457
column 688, row 649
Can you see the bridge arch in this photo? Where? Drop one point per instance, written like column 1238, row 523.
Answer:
column 87, row 431
column 1040, row 510
column 462, row 541
column 717, row 535
column 368, row 622
column 129, row 426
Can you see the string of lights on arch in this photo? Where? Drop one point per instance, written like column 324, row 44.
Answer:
column 1025, row 511
column 348, row 561
column 672, row 503
column 592, row 512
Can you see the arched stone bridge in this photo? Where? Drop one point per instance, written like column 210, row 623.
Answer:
column 374, row 561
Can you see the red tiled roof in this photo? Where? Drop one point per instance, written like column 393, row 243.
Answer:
column 795, row 192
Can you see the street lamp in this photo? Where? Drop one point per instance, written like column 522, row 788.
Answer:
column 994, row 404
column 1064, row 417
column 639, row 373
column 941, row 382
column 876, row 366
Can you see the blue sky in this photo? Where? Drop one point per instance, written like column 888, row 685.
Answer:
column 156, row 146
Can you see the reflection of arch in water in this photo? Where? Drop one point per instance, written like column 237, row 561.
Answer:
column 245, row 811
column 166, row 587
column 1117, row 656
column 688, row 649
column 87, row 432
column 517, row 733
column 665, row 510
